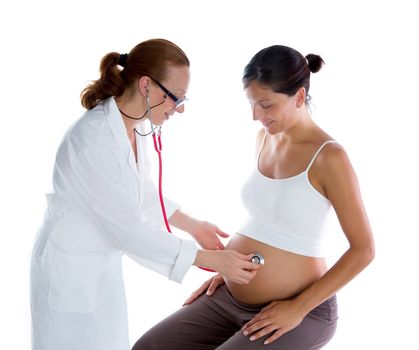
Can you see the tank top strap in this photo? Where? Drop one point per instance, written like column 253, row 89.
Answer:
column 317, row 153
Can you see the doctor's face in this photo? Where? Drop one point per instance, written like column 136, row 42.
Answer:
column 172, row 91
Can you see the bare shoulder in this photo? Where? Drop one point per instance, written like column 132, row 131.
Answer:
column 333, row 164
column 333, row 155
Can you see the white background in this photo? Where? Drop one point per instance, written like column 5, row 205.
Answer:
column 366, row 97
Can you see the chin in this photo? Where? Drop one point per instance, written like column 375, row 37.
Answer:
column 159, row 122
column 272, row 130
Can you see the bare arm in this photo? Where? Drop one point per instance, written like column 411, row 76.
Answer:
column 340, row 184
column 183, row 221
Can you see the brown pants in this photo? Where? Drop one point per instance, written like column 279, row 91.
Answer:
column 215, row 323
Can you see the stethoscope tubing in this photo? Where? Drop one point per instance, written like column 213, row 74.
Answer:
column 158, row 149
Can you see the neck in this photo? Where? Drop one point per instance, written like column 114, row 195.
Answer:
column 299, row 131
column 129, row 107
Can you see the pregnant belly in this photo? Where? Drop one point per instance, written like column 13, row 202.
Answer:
column 283, row 275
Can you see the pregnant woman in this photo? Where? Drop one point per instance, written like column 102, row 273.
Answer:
column 300, row 173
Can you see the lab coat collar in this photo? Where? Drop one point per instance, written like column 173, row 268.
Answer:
column 118, row 129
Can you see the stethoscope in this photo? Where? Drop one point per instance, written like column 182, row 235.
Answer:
column 258, row 259
column 156, row 135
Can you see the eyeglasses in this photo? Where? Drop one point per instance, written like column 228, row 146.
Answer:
column 178, row 102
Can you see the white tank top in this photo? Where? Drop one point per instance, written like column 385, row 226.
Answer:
column 289, row 213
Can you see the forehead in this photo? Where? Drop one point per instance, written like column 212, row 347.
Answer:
column 256, row 91
column 177, row 77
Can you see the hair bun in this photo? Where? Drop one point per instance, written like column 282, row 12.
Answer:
column 315, row 62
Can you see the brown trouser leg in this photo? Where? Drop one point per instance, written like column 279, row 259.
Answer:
column 215, row 323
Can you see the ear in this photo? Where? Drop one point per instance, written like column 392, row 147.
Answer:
column 300, row 97
column 144, row 85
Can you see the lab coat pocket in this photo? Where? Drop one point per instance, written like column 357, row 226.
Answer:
column 74, row 283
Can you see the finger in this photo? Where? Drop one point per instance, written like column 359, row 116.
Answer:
column 257, row 318
column 222, row 233
column 191, row 298
column 249, row 324
column 257, row 326
column 248, row 275
column 247, row 265
column 248, row 262
column 240, row 280
column 252, row 274
column 197, row 293
column 275, row 336
column 264, row 331
column 249, row 257
column 219, row 245
column 212, row 287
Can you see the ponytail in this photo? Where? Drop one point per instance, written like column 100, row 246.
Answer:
column 109, row 84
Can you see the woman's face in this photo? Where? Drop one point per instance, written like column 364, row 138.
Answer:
column 276, row 111
column 176, row 85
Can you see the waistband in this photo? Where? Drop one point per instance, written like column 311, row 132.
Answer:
column 328, row 309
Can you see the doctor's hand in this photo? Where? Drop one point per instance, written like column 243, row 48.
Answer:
column 207, row 235
column 209, row 286
column 278, row 317
column 233, row 265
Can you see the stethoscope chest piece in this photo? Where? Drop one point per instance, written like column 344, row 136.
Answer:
column 257, row 259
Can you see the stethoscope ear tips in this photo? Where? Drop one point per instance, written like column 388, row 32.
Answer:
column 258, row 259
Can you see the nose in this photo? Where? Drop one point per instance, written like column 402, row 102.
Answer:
column 180, row 109
column 254, row 113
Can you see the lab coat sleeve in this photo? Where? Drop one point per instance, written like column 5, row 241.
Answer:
column 151, row 203
column 101, row 185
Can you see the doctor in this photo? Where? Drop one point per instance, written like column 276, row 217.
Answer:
column 104, row 205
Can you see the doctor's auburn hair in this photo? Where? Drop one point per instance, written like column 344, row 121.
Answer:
column 282, row 69
column 151, row 58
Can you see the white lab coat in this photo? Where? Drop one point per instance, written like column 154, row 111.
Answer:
column 102, row 206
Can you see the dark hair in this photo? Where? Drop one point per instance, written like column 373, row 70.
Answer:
column 150, row 57
column 282, row 69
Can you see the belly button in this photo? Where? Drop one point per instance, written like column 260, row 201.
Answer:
column 257, row 259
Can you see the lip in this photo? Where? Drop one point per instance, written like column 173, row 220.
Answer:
column 267, row 123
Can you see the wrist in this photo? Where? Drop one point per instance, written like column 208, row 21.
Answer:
column 206, row 258
column 194, row 227
column 303, row 305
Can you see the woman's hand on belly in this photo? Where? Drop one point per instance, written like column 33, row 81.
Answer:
column 278, row 317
